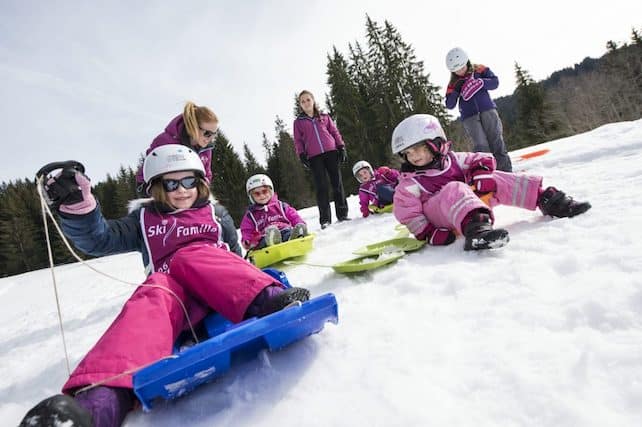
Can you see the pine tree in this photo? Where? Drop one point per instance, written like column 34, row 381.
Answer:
column 228, row 177
column 252, row 166
column 293, row 185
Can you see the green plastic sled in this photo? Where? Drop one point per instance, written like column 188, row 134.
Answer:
column 364, row 263
column 377, row 210
column 276, row 253
column 405, row 244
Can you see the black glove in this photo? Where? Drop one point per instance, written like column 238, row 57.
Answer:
column 304, row 159
column 343, row 156
column 459, row 84
column 61, row 189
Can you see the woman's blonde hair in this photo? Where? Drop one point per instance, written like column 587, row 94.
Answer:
column 316, row 112
column 159, row 194
column 194, row 115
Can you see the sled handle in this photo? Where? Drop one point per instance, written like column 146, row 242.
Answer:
column 50, row 167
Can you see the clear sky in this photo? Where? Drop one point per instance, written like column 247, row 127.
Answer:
column 96, row 81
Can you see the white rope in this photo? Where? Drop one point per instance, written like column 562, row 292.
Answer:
column 53, row 278
column 122, row 374
column 46, row 211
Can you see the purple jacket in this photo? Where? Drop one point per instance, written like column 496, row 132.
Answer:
column 368, row 190
column 258, row 217
column 316, row 135
column 481, row 101
column 175, row 133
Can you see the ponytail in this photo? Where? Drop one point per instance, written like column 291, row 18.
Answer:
column 194, row 115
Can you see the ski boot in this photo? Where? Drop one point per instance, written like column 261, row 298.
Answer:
column 480, row 234
column 556, row 203
column 58, row 410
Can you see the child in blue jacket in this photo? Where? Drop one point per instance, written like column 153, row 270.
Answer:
column 469, row 85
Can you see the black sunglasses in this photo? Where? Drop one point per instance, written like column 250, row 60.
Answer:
column 208, row 133
column 187, row 183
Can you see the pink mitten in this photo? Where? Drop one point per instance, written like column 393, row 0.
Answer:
column 88, row 202
column 470, row 88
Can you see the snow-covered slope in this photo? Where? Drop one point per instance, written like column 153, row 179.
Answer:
column 546, row 331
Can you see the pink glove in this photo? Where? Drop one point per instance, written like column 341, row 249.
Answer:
column 437, row 236
column 483, row 181
column 88, row 202
column 470, row 88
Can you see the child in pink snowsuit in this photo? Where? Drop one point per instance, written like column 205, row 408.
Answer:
column 437, row 195
column 268, row 220
column 190, row 270
column 377, row 186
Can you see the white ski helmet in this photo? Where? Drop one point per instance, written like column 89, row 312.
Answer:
column 256, row 181
column 414, row 129
column 170, row 158
column 456, row 58
column 360, row 165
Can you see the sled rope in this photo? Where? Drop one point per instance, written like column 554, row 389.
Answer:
column 292, row 262
column 47, row 211
column 53, row 278
column 122, row 374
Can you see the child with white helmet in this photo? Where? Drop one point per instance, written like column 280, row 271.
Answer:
column 268, row 220
column 377, row 187
column 437, row 194
column 469, row 85
column 190, row 272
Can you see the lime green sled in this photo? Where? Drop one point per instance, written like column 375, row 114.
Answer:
column 276, row 253
column 377, row 210
column 365, row 263
column 405, row 244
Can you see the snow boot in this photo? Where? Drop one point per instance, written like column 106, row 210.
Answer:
column 299, row 230
column 325, row 225
column 480, row 234
column 108, row 405
column 555, row 203
column 272, row 236
column 274, row 298
column 58, row 410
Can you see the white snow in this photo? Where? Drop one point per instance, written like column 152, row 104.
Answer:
column 545, row 331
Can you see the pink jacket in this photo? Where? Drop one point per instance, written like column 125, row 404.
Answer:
column 431, row 198
column 383, row 175
column 258, row 217
column 173, row 134
column 316, row 135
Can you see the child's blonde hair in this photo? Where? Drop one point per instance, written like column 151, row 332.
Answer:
column 194, row 115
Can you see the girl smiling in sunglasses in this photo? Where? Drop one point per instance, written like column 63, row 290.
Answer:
column 196, row 128
column 186, row 259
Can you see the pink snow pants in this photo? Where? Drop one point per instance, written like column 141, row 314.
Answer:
column 202, row 277
column 455, row 200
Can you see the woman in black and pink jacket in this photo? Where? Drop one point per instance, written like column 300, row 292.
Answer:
column 320, row 147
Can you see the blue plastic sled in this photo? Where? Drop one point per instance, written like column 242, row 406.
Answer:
column 228, row 343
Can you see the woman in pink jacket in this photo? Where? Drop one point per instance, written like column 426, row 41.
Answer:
column 191, row 271
column 437, row 195
column 377, row 187
column 196, row 128
column 268, row 220
column 320, row 148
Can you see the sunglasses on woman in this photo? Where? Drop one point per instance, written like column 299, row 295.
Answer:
column 209, row 133
column 187, row 183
